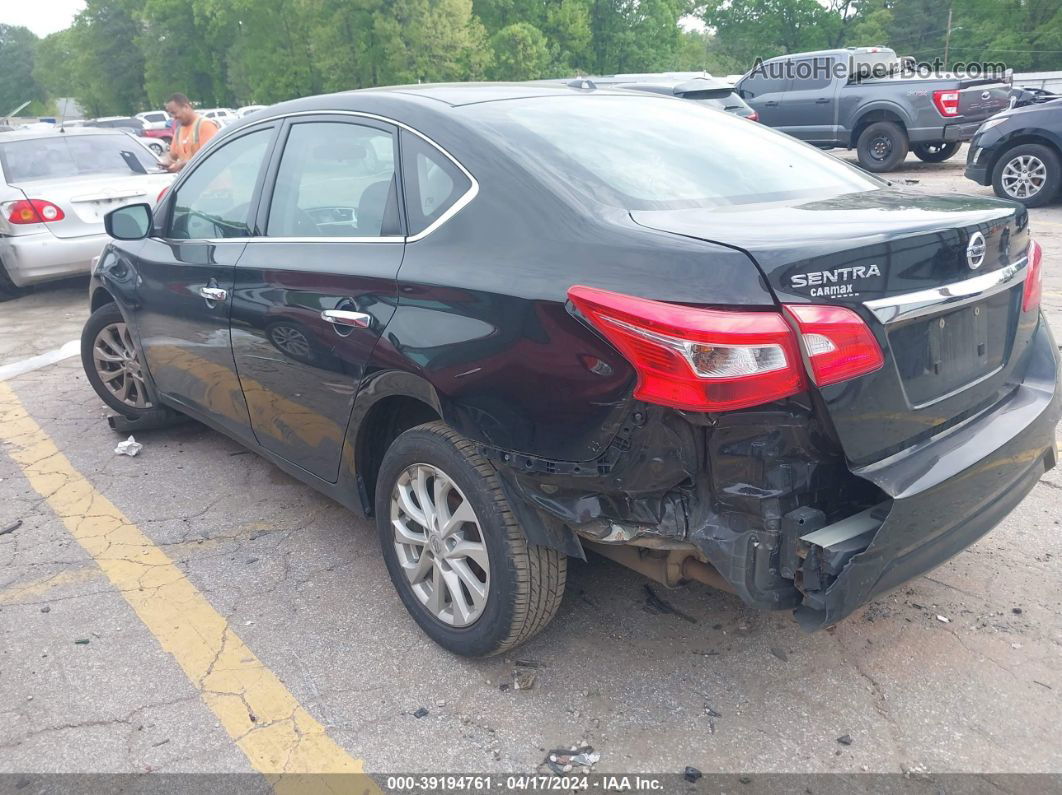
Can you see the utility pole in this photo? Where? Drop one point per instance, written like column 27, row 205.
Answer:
column 947, row 40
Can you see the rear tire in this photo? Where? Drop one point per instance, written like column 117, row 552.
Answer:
column 882, row 146
column 113, row 363
column 935, row 153
column 1030, row 174
column 521, row 586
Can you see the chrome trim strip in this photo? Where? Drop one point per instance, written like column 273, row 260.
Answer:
column 455, row 208
column 949, row 296
column 312, row 239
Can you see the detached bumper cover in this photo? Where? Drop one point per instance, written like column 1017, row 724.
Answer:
column 950, row 491
column 43, row 256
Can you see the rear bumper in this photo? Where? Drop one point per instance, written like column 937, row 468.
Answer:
column 950, row 490
column 42, row 256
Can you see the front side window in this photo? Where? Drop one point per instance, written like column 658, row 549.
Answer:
column 639, row 153
column 432, row 182
column 336, row 179
column 215, row 200
column 63, row 155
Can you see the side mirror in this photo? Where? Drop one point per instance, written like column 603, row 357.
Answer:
column 132, row 222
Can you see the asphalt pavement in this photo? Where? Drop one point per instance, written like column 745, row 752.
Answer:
column 194, row 609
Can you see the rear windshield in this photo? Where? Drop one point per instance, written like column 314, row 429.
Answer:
column 62, row 155
column 646, row 153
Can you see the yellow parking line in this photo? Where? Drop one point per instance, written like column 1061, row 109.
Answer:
column 267, row 723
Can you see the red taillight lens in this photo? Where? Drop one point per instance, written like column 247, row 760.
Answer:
column 754, row 116
column 947, row 102
column 1034, row 277
column 837, row 341
column 697, row 359
column 33, row 211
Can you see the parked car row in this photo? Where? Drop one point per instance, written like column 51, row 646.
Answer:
column 519, row 323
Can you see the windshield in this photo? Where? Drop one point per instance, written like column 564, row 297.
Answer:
column 63, row 155
column 647, row 153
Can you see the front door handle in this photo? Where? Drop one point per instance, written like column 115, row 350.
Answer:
column 822, row 101
column 770, row 104
column 213, row 294
column 341, row 317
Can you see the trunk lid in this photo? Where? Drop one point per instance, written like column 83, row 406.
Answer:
column 952, row 346
column 980, row 99
column 84, row 200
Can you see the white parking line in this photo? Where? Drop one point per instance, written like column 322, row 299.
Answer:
column 72, row 348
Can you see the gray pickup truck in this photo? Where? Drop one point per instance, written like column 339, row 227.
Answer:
column 868, row 99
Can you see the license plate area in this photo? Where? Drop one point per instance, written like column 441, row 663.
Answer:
column 942, row 354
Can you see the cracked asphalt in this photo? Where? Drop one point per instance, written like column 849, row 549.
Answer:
column 958, row 671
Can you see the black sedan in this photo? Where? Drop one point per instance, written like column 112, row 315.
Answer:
column 518, row 323
column 1019, row 153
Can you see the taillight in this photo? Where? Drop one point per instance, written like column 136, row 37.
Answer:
column 947, row 102
column 837, row 341
column 697, row 359
column 754, row 116
column 33, row 211
column 1030, row 296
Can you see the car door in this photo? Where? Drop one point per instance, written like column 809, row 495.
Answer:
column 185, row 277
column 315, row 290
column 809, row 108
column 764, row 90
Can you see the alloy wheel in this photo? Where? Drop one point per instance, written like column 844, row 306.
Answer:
column 118, row 365
column 440, row 545
column 1024, row 177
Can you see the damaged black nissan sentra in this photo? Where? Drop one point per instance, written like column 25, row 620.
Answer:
column 516, row 323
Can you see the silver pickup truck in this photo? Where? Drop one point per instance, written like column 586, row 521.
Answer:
column 868, row 99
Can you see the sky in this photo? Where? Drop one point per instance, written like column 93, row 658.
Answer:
column 40, row 16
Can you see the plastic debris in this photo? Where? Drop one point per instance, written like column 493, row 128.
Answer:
column 81, row 642
column 130, row 447
column 944, row 619
column 657, row 605
column 845, row 739
column 691, row 774
column 46, row 609
column 523, row 679
column 421, row 713
column 563, row 760
column 779, row 653
column 15, row 525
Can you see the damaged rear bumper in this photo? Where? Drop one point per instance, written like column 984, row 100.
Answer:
column 945, row 494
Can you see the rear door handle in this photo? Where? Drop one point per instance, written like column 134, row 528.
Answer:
column 822, row 101
column 341, row 317
column 213, row 293
column 770, row 104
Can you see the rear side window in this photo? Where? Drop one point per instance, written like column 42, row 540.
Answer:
column 215, row 200
column 433, row 183
column 336, row 179
column 810, row 74
column 64, row 155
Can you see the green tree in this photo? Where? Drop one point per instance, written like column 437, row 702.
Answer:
column 110, row 66
column 520, row 52
column 428, row 41
column 17, row 81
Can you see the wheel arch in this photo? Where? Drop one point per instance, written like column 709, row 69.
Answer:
column 101, row 296
column 868, row 116
column 1022, row 139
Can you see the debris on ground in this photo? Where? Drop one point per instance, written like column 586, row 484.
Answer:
column 691, row 774
column 779, row 653
column 420, row 713
column 943, row 619
column 523, row 679
column 46, row 609
column 15, row 525
column 711, row 713
column 657, row 605
column 129, row 447
column 845, row 739
column 504, row 686
column 528, row 664
column 1016, row 611
column 81, row 642
column 563, row 760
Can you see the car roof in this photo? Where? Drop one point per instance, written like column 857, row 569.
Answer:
column 23, row 135
column 458, row 94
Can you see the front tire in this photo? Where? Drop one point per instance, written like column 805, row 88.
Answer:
column 113, row 363
column 455, row 552
column 935, row 153
column 882, row 146
column 1030, row 174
